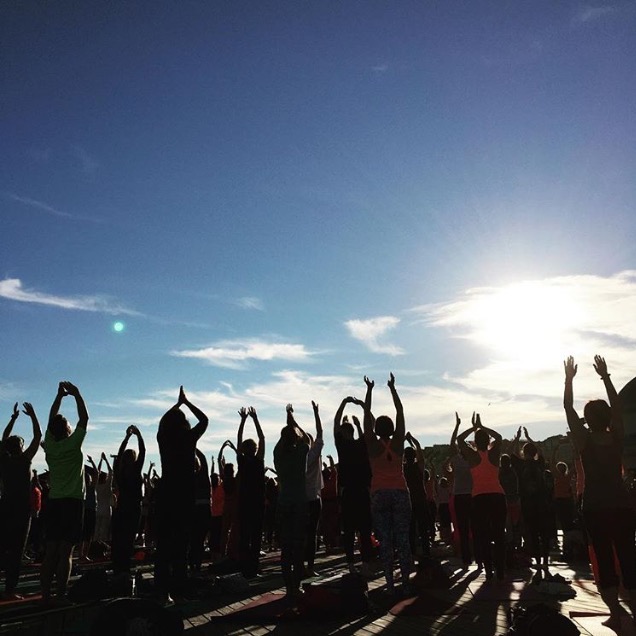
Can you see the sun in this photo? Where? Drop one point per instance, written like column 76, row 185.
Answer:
column 529, row 322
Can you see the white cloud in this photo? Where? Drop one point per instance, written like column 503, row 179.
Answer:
column 12, row 289
column 250, row 302
column 234, row 354
column 524, row 331
column 380, row 68
column 371, row 330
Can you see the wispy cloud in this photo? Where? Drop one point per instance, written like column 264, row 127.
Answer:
column 88, row 164
column 48, row 209
column 370, row 331
column 235, row 354
column 586, row 14
column 39, row 205
column 12, row 289
column 250, row 302
column 380, row 68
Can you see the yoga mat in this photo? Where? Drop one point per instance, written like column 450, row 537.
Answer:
column 268, row 608
column 425, row 605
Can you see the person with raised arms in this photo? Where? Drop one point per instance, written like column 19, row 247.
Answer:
column 390, row 502
column 177, row 441
column 15, row 505
column 65, row 505
column 251, row 493
column 488, row 498
column 290, row 463
column 354, row 483
column 607, row 510
column 128, row 475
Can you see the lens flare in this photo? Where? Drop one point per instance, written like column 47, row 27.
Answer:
column 118, row 326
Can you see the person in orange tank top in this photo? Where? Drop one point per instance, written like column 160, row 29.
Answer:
column 390, row 502
column 488, row 498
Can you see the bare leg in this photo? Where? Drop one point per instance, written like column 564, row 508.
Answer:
column 610, row 598
column 64, row 563
column 48, row 568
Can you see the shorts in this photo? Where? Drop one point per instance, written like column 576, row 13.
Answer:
column 64, row 520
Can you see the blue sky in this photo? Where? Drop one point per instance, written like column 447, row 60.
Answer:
column 279, row 197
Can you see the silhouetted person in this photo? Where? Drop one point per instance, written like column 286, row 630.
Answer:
column 175, row 495
column 128, row 475
column 90, row 508
column 421, row 520
column 535, row 501
column 65, row 503
column 251, row 493
column 607, row 510
column 461, row 497
column 354, row 483
column 104, row 491
column 202, row 513
column 488, row 498
column 229, row 523
column 313, row 488
column 390, row 502
column 290, row 462
column 15, row 505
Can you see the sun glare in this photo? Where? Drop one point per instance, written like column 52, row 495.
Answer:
column 528, row 322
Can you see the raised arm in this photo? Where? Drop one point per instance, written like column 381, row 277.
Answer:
column 202, row 418
column 239, row 437
column 574, row 423
column 337, row 420
column 82, row 411
column 468, row 453
column 419, row 453
column 141, row 456
column 528, row 438
column 368, row 422
column 260, row 453
column 37, row 431
column 291, row 421
column 314, row 406
column 400, row 426
column 120, row 452
column 57, row 402
column 9, row 428
column 516, row 443
column 453, row 440
column 600, row 366
column 108, row 466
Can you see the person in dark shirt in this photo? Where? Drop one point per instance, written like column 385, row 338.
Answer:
column 251, row 494
column 535, row 501
column 175, row 494
column 607, row 509
column 15, row 505
column 202, row 513
column 421, row 518
column 354, row 482
column 128, row 475
column 290, row 462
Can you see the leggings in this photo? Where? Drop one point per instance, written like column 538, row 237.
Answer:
column 356, row 516
column 462, row 505
column 392, row 519
column 489, row 528
column 612, row 531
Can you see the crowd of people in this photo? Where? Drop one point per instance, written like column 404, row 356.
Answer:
column 489, row 499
